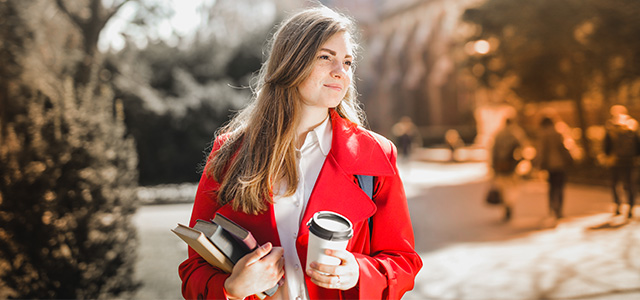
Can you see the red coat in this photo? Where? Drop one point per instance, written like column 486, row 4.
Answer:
column 388, row 262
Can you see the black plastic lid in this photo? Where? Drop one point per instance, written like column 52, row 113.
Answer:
column 325, row 233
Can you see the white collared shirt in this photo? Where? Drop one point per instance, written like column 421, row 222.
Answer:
column 288, row 210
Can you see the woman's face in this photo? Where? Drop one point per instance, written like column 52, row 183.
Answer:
column 331, row 74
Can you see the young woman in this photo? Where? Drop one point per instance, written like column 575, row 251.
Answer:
column 293, row 152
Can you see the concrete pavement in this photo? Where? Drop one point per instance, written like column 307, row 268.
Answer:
column 468, row 252
column 160, row 251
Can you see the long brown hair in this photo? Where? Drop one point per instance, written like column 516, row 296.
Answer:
column 260, row 148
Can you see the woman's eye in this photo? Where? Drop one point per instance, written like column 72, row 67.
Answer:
column 348, row 63
column 324, row 57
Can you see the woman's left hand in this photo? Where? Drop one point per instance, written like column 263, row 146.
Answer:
column 343, row 277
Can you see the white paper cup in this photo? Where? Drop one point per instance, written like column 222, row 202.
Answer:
column 327, row 230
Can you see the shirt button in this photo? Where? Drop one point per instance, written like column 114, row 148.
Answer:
column 296, row 203
column 296, row 267
column 298, row 298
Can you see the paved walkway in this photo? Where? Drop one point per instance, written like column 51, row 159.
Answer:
column 468, row 252
column 160, row 251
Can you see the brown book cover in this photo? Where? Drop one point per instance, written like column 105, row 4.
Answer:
column 201, row 244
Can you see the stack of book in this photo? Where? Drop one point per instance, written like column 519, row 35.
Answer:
column 221, row 242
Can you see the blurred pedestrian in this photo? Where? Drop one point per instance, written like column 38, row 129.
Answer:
column 294, row 151
column 454, row 141
column 505, row 156
column 554, row 158
column 622, row 146
column 407, row 137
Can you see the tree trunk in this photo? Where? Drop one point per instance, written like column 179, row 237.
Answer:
column 576, row 94
column 90, row 30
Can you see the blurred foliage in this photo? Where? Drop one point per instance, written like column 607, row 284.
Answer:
column 67, row 168
column 175, row 98
column 558, row 49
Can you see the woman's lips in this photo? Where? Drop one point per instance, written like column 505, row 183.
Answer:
column 336, row 87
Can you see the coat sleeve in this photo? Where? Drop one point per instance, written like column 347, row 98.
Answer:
column 390, row 270
column 201, row 280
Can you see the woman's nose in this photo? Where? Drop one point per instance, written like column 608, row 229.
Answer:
column 338, row 70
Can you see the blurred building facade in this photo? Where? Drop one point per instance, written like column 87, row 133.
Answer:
column 409, row 65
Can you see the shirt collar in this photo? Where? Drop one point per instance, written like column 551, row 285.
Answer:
column 323, row 135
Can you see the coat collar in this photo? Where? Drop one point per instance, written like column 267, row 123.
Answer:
column 358, row 151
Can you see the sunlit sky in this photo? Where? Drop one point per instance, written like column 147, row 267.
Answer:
column 186, row 17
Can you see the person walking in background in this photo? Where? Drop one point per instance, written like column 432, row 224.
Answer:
column 505, row 155
column 294, row 151
column 453, row 141
column 622, row 146
column 407, row 137
column 554, row 158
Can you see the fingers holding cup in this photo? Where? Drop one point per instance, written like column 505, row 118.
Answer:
column 343, row 276
column 324, row 279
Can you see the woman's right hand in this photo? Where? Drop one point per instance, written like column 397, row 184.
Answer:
column 257, row 271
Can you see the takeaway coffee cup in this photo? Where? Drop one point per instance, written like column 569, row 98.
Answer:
column 327, row 230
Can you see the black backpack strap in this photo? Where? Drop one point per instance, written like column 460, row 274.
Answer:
column 366, row 184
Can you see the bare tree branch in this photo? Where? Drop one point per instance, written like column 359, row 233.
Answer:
column 116, row 9
column 111, row 13
column 74, row 18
